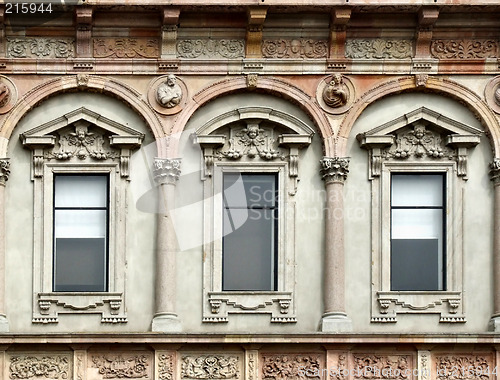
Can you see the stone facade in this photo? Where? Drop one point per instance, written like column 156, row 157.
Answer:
column 331, row 101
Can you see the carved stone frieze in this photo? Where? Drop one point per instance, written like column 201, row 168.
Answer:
column 211, row 48
column 50, row 367
column 382, row 367
column 4, row 170
column 40, row 47
column 126, row 48
column 166, row 366
column 378, row 49
column 291, row 366
column 300, row 48
column 464, row 49
column 166, row 170
column 210, row 367
column 334, row 169
column 123, row 366
column 455, row 367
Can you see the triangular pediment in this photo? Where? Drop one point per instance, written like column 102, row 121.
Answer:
column 428, row 118
column 82, row 116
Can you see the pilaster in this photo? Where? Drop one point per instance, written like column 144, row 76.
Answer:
column 4, row 176
column 494, row 324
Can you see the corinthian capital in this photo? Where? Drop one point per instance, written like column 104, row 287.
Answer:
column 334, row 169
column 495, row 170
column 166, row 170
column 4, row 170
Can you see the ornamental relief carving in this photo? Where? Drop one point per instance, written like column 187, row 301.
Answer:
column 378, row 49
column 211, row 48
column 458, row 367
column 382, row 367
column 303, row 48
column 210, row 367
column 40, row 367
column 4, row 170
column 126, row 48
column 166, row 367
column 40, row 48
column 464, row 49
column 123, row 366
column 291, row 367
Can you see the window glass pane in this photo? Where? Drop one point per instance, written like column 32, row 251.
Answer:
column 248, row 258
column 80, row 191
column 80, row 223
column 417, row 224
column 80, row 264
column 250, row 190
column 416, row 264
column 417, row 190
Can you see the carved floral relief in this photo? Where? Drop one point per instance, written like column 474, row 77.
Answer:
column 378, row 49
column 126, row 48
column 466, row 367
column 382, row 367
column 40, row 48
column 210, row 367
column 39, row 367
column 303, row 48
column 291, row 367
column 123, row 366
column 166, row 367
column 211, row 48
column 464, row 49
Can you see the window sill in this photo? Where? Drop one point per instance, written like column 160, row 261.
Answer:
column 50, row 305
column 448, row 304
column 278, row 304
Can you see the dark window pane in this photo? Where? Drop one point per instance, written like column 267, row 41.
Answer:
column 414, row 264
column 250, row 190
column 79, row 265
column 248, row 252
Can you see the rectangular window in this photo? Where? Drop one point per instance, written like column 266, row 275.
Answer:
column 417, row 232
column 81, row 213
column 250, row 236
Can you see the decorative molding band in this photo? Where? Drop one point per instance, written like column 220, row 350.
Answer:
column 378, row 49
column 166, row 170
column 40, row 47
column 126, row 48
column 50, row 305
column 219, row 366
column 292, row 366
column 126, row 365
column 211, row 48
column 221, row 304
column 4, row 170
column 303, row 48
column 464, row 49
column 334, row 169
column 447, row 304
column 40, row 366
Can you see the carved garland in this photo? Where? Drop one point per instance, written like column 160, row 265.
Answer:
column 284, row 367
column 29, row 367
column 121, row 366
column 378, row 49
column 464, row 49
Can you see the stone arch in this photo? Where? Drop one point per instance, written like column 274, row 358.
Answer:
column 443, row 86
column 91, row 83
column 271, row 86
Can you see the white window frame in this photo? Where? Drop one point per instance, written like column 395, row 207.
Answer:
column 456, row 138
column 42, row 141
column 280, row 304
